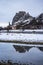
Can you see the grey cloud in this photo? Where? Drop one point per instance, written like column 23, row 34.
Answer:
column 8, row 8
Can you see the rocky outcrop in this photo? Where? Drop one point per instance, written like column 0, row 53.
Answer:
column 18, row 16
column 40, row 19
column 23, row 20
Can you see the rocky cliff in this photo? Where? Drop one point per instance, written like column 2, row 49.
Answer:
column 23, row 20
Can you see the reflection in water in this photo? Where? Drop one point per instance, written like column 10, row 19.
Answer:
column 21, row 54
column 41, row 48
column 21, row 49
column 31, row 55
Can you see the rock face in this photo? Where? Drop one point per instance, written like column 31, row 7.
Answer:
column 18, row 16
column 23, row 20
column 40, row 19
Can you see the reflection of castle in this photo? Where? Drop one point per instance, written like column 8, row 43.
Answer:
column 23, row 49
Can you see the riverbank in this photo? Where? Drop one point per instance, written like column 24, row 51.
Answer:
column 11, row 63
column 30, row 31
column 21, row 38
column 21, row 42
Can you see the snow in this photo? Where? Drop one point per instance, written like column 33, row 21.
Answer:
column 24, row 22
column 36, row 31
column 22, row 37
column 25, row 30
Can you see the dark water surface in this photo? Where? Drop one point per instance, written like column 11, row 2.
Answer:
column 28, row 54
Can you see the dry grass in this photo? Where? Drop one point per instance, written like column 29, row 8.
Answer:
column 11, row 63
column 22, row 42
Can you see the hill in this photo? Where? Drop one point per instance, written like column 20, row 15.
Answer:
column 23, row 20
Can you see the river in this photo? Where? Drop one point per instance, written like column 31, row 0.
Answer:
column 21, row 53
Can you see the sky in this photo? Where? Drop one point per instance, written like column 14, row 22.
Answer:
column 8, row 8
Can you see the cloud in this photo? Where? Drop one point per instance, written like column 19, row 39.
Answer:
column 8, row 8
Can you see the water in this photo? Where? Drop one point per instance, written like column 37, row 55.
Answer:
column 21, row 53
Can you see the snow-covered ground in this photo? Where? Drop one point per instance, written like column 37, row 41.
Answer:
column 20, row 30
column 22, row 37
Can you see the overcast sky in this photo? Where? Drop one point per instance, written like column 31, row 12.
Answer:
column 8, row 8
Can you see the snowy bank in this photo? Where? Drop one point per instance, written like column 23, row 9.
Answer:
column 23, row 31
column 21, row 37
